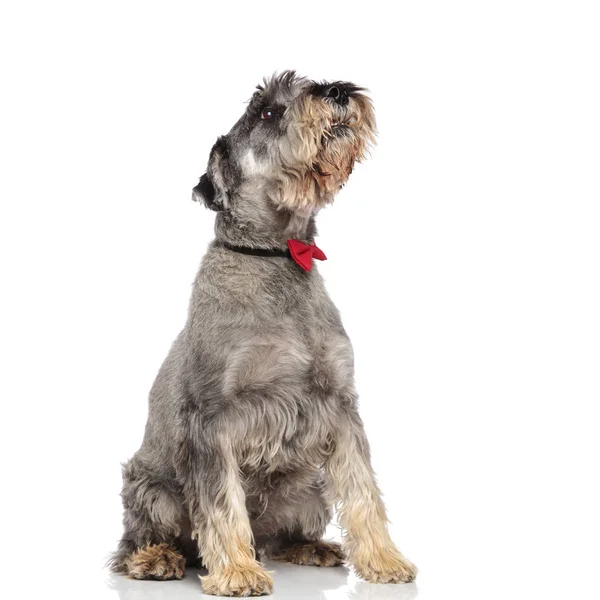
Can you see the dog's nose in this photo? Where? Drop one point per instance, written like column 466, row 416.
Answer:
column 333, row 92
column 337, row 92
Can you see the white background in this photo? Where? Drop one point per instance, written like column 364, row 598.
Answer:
column 464, row 256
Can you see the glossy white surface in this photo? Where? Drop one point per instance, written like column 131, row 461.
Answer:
column 291, row 582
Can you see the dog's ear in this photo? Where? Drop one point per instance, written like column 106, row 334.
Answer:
column 205, row 192
column 214, row 186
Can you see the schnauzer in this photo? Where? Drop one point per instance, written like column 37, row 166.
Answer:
column 253, row 431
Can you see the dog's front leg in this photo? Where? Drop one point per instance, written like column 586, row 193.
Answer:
column 353, row 487
column 222, row 527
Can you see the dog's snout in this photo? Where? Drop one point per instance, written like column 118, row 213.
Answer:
column 337, row 92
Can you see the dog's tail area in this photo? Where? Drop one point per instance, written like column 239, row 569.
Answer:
column 117, row 561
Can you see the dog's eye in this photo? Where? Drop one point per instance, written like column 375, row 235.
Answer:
column 267, row 113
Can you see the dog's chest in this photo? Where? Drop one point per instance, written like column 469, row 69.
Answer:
column 288, row 372
column 293, row 385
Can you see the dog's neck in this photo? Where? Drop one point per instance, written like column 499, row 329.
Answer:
column 258, row 223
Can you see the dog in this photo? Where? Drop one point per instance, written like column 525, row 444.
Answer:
column 253, row 432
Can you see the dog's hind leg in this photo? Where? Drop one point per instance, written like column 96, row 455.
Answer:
column 152, row 520
column 302, row 515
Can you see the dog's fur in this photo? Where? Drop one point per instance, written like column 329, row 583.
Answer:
column 253, row 431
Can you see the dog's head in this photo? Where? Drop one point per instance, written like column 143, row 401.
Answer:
column 296, row 145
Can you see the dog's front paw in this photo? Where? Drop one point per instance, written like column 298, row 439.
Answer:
column 386, row 566
column 249, row 580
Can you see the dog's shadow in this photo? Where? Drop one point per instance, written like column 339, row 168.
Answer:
column 291, row 581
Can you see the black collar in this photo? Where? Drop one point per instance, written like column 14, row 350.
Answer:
column 257, row 251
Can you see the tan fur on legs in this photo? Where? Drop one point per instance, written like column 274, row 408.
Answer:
column 155, row 561
column 318, row 554
column 367, row 542
column 233, row 570
column 372, row 552
column 239, row 580
column 225, row 540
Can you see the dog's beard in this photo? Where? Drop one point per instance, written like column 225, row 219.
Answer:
column 322, row 145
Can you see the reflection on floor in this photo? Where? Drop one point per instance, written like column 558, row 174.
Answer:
column 291, row 581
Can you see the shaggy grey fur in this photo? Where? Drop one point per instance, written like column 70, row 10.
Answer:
column 262, row 373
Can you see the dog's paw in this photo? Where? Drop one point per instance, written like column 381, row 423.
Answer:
column 386, row 566
column 319, row 554
column 249, row 580
column 156, row 561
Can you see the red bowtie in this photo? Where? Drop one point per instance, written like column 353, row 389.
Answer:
column 303, row 253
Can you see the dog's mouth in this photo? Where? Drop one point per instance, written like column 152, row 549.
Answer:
column 342, row 121
column 338, row 127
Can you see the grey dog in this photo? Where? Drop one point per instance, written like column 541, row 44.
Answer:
column 253, row 431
